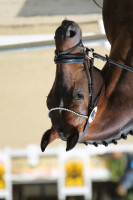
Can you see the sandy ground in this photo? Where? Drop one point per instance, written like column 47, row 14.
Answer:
column 19, row 12
column 43, row 17
column 27, row 77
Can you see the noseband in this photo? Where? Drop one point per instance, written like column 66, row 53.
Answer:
column 62, row 58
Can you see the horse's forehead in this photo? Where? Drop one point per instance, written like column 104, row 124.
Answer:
column 74, row 81
column 72, row 75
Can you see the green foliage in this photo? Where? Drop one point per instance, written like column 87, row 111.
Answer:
column 117, row 167
column 130, row 194
column 104, row 196
column 94, row 196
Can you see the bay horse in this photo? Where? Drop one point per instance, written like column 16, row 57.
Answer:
column 87, row 105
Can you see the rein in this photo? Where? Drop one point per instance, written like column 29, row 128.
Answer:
column 96, row 55
column 63, row 57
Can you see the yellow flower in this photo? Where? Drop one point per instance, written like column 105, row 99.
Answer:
column 2, row 169
column 2, row 184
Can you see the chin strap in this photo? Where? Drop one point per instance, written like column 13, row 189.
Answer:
column 68, row 110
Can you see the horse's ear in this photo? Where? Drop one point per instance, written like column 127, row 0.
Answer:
column 72, row 139
column 49, row 136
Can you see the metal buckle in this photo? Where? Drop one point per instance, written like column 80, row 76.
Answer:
column 93, row 114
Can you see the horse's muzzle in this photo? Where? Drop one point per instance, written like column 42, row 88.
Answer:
column 62, row 134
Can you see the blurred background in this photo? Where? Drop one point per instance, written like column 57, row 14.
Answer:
column 27, row 72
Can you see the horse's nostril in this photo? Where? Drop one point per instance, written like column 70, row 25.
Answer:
column 70, row 32
column 61, row 130
column 62, row 134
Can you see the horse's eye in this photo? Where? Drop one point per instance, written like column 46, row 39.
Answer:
column 79, row 96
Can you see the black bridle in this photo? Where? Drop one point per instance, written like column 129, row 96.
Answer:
column 64, row 57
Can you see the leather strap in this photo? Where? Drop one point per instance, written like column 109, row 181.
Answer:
column 70, row 58
column 96, row 55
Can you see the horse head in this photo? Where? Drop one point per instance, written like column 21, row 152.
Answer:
column 76, row 88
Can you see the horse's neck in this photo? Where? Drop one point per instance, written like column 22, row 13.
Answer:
column 114, row 110
column 115, row 106
column 118, row 18
column 120, row 52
